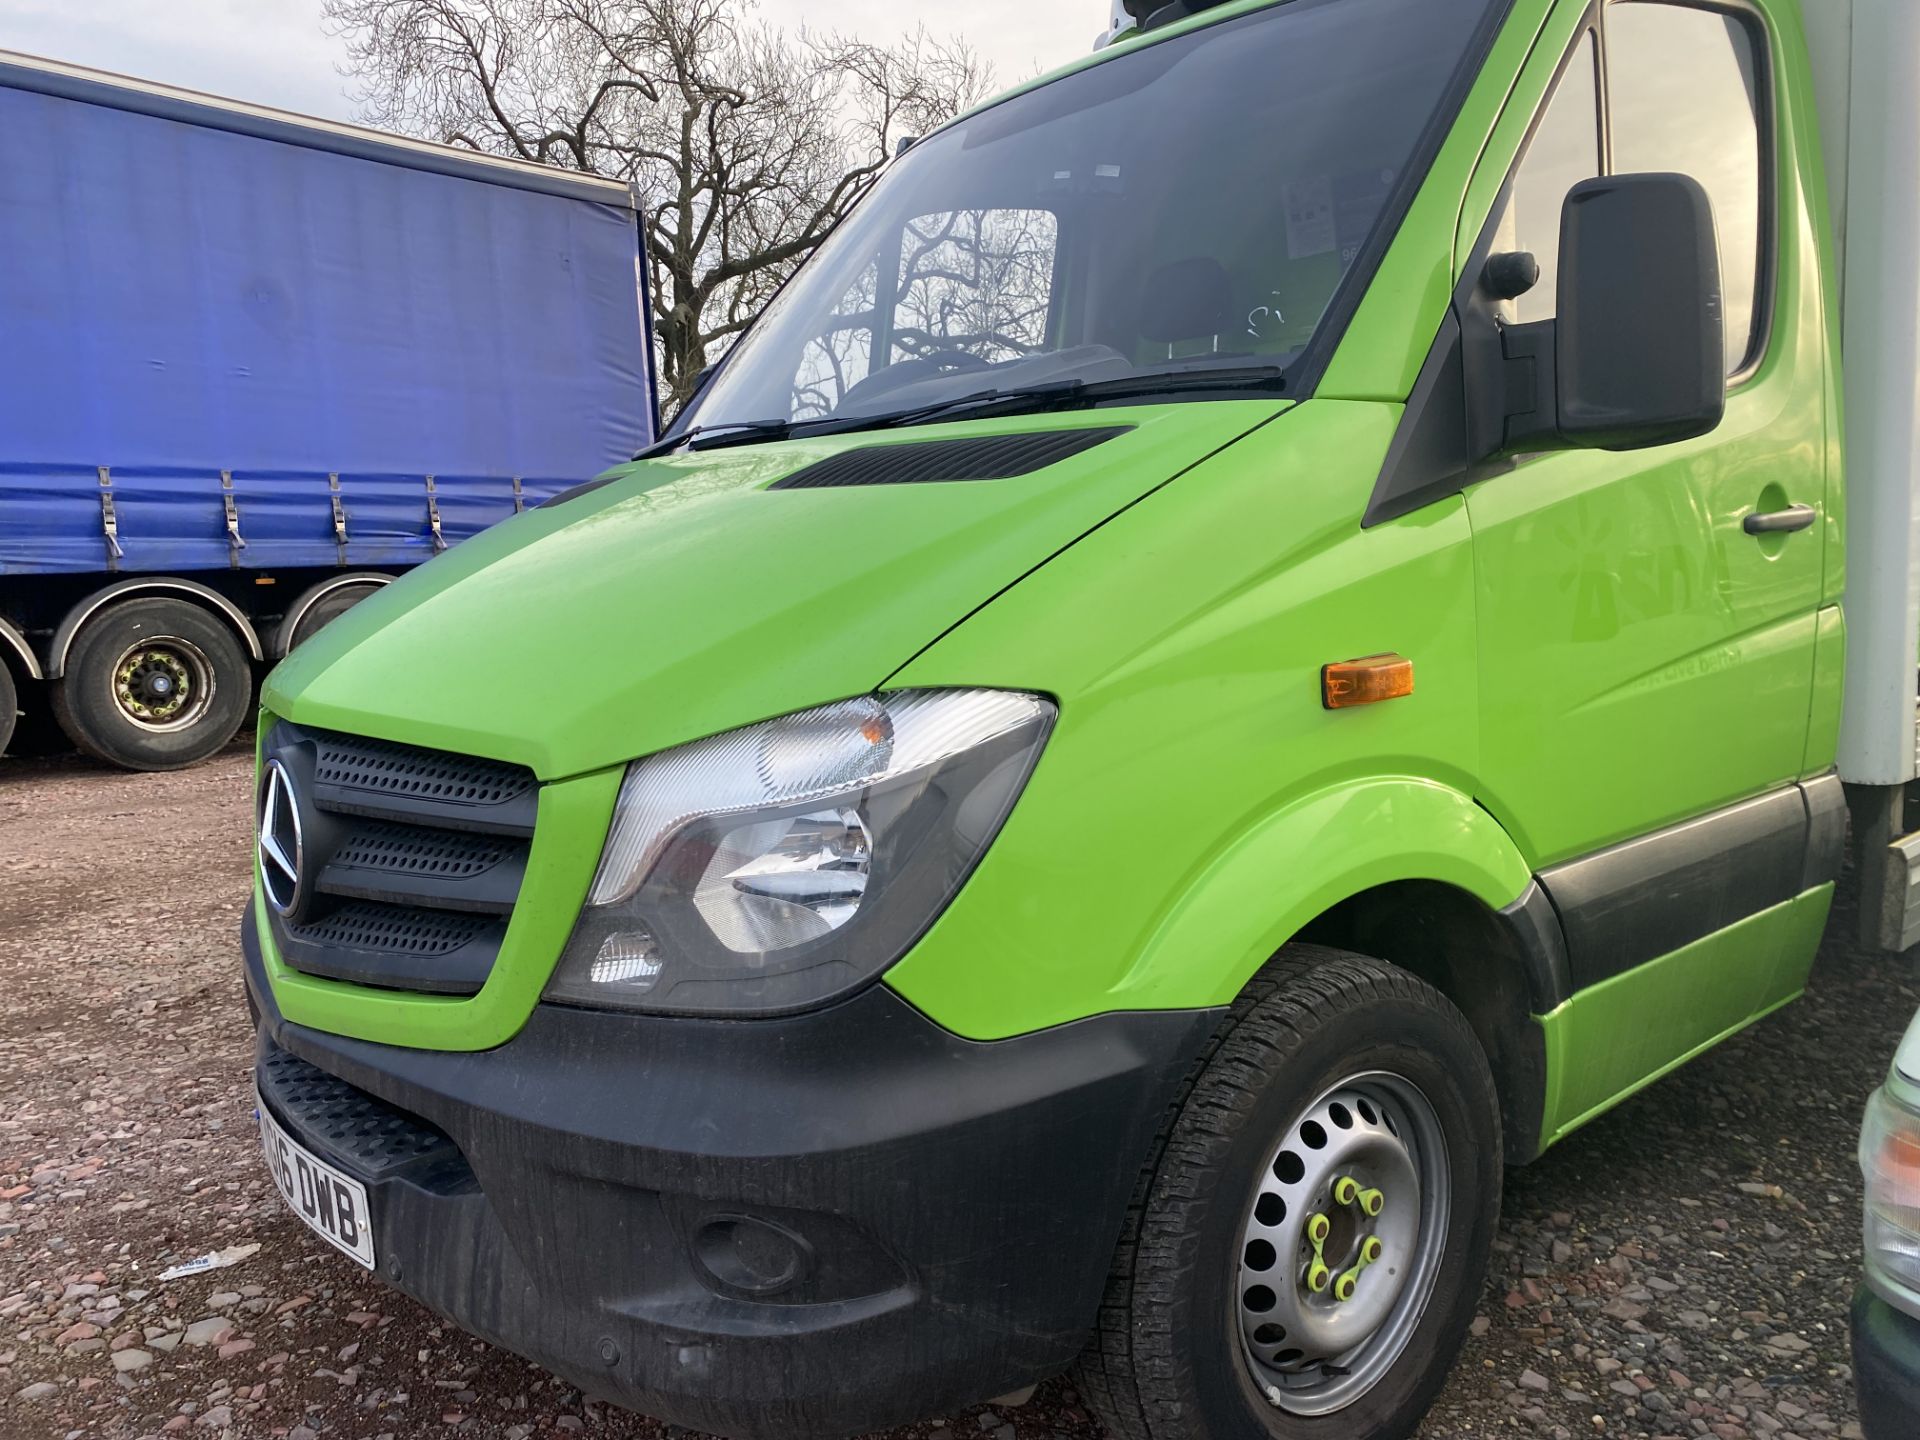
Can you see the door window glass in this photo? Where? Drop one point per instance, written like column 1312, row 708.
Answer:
column 1684, row 96
column 1565, row 150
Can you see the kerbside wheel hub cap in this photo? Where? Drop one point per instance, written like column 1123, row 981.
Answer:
column 164, row 683
column 1342, row 1244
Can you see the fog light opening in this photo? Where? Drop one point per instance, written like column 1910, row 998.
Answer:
column 753, row 1257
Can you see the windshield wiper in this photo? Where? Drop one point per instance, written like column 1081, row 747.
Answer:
column 1064, row 395
column 1258, row 379
column 1016, row 401
column 738, row 432
column 1030, row 400
column 1057, row 395
column 735, row 432
column 756, row 432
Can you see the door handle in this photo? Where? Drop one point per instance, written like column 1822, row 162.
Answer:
column 1789, row 521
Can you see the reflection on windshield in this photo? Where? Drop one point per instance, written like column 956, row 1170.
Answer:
column 1183, row 204
column 977, row 281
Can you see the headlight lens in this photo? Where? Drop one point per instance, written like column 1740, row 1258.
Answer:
column 1890, row 1160
column 779, row 866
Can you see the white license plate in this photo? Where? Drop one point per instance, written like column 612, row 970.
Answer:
column 333, row 1205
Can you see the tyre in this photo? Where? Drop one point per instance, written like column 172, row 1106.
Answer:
column 324, row 611
column 9, row 706
column 1308, row 1241
column 153, row 684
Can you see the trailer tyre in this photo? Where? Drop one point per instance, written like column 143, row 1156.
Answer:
column 9, row 705
column 323, row 612
column 153, row 684
column 1308, row 1240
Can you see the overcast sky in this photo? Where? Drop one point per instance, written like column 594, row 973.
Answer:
column 274, row 52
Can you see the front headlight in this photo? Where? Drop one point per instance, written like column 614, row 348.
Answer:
column 1890, row 1160
column 779, row 866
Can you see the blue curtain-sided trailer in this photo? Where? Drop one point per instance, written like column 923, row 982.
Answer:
column 254, row 367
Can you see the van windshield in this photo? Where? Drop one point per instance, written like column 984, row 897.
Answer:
column 1187, row 208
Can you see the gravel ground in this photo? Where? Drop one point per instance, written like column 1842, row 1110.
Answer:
column 1680, row 1268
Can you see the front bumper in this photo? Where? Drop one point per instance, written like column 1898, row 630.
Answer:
column 1886, row 1368
column 780, row 1228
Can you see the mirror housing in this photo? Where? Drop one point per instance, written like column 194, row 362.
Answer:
column 1642, row 344
column 1637, row 355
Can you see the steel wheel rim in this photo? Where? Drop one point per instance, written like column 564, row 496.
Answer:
column 1315, row 1351
column 163, row 683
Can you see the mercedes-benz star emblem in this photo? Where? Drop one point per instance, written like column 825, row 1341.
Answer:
column 281, row 846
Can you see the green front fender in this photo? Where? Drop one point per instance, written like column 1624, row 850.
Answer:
column 1299, row 863
column 1320, row 848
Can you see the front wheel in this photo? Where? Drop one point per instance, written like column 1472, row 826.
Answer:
column 1309, row 1241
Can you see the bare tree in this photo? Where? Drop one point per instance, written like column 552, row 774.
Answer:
column 746, row 145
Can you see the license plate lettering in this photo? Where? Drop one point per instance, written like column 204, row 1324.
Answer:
column 316, row 1195
column 308, row 1203
column 277, row 1159
column 333, row 1205
column 348, row 1223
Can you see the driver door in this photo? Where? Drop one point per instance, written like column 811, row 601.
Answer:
column 1645, row 660
column 1647, row 664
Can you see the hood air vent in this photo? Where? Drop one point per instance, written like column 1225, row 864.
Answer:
column 995, row 457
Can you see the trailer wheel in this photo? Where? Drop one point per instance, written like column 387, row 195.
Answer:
column 153, row 684
column 323, row 612
column 1308, row 1242
column 9, row 706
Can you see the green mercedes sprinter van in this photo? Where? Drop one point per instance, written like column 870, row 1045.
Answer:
column 1255, row 638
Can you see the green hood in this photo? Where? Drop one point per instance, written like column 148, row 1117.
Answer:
column 686, row 598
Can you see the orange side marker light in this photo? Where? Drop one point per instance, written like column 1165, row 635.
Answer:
column 1366, row 682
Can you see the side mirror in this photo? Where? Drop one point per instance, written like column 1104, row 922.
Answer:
column 1637, row 356
column 1642, row 348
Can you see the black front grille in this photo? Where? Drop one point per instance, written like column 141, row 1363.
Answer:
column 392, row 929
column 412, row 860
column 416, row 850
column 353, row 763
column 381, row 780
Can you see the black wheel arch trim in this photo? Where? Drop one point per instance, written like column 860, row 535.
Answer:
column 159, row 586
column 1534, row 927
